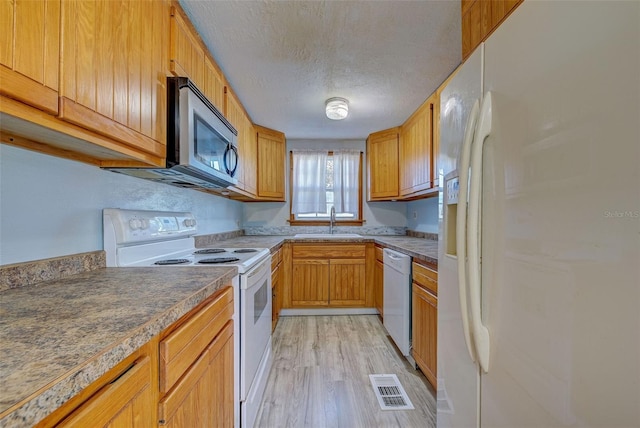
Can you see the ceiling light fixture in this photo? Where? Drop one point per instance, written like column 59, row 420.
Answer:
column 337, row 108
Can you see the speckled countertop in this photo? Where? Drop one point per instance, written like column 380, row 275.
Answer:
column 58, row 336
column 418, row 248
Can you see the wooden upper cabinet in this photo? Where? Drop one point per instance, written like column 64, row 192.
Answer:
column 480, row 18
column 213, row 83
column 250, row 150
column 30, row 52
column 271, row 164
column 382, row 165
column 247, row 150
column 189, row 57
column 435, row 150
column 113, row 70
column 186, row 57
column 416, row 136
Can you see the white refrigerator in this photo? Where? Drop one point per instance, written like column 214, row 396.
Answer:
column 539, row 258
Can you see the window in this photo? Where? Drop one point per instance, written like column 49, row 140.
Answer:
column 321, row 180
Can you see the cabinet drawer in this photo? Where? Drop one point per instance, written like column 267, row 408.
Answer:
column 379, row 254
column 122, row 402
column 183, row 346
column 302, row 251
column 425, row 277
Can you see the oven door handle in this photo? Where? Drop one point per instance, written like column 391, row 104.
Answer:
column 260, row 268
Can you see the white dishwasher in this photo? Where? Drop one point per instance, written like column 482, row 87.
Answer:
column 397, row 299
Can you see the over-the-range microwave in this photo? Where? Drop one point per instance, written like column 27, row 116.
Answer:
column 201, row 144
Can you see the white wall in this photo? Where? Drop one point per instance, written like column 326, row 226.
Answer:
column 426, row 215
column 52, row 207
column 276, row 214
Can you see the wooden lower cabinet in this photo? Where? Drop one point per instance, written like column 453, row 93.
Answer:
column 378, row 282
column 347, row 282
column 204, row 395
column 277, row 281
column 127, row 401
column 425, row 321
column 182, row 377
column 196, row 367
column 310, row 285
column 329, row 276
column 125, row 396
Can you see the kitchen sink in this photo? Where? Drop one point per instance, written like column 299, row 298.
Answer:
column 327, row 235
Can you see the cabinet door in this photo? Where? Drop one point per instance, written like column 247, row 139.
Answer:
column 347, row 282
column 113, row 70
column 186, row 57
column 436, row 129
column 213, row 84
column 204, row 396
column 425, row 332
column 30, row 52
column 416, row 136
column 247, row 143
column 125, row 402
column 181, row 347
column 480, row 18
column 310, row 282
column 382, row 161
column 379, row 286
column 271, row 159
column 276, row 288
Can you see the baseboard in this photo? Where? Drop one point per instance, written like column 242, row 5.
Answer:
column 329, row 311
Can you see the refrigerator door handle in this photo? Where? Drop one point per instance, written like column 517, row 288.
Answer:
column 480, row 332
column 461, row 222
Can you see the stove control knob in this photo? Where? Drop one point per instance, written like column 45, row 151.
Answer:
column 189, row 222
column 144, row 224
column 134, row 223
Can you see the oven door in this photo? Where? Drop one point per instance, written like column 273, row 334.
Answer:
column 255, row 321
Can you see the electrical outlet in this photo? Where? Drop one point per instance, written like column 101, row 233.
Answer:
column 415, row 215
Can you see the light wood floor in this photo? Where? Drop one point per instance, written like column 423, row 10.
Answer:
column 320, row 376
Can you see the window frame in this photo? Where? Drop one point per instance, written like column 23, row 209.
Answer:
column 322, row 222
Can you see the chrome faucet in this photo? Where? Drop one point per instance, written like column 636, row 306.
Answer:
column 332, row 219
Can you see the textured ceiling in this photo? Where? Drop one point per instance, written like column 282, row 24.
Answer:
column 285, row 58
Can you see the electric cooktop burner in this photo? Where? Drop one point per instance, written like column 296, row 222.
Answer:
column 219, row 260
column 246, row 250
column 211, row 251
column 171, row 262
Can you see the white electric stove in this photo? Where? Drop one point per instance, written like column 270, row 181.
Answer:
column 136, row 238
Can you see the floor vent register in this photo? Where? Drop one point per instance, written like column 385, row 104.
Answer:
column 390, row 393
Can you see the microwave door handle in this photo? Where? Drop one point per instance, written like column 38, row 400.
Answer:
column 230, row 159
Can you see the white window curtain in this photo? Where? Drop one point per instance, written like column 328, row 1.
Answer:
column 309, row 180
column 346, row 179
